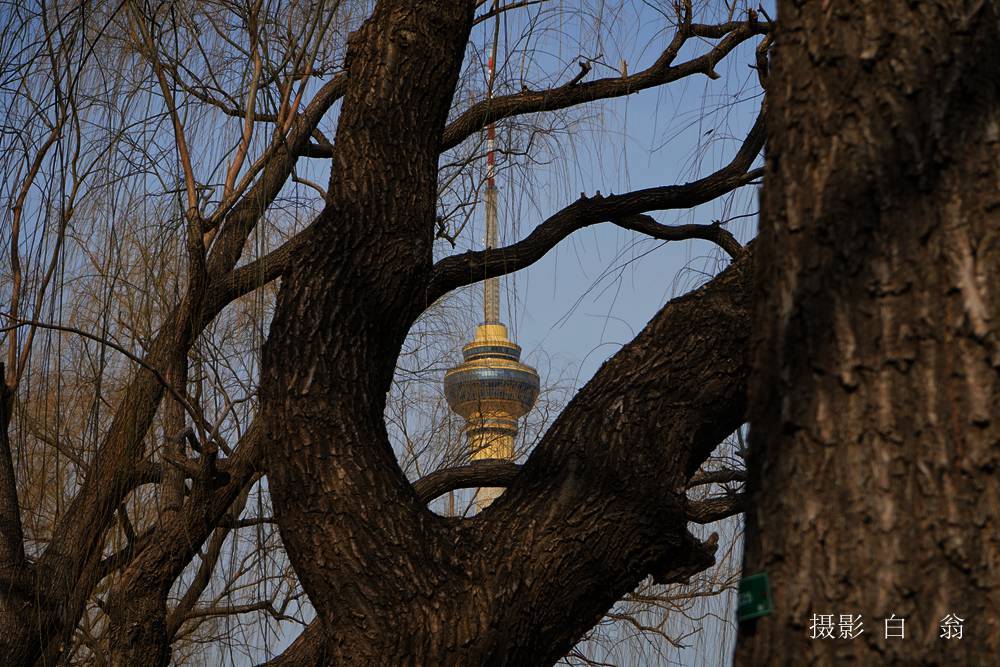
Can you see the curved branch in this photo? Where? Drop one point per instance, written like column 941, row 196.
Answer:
column 714, row 232
column 660, row 72
column 623, row 210
column 490, row 472
column 254, row 274
column 573, row 93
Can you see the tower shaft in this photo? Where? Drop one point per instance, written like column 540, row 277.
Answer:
column 491, row 286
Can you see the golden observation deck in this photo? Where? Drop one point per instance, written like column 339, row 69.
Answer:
column 492, row 389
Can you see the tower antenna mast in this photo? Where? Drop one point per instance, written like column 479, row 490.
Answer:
column 491, row 286
column 491, row 388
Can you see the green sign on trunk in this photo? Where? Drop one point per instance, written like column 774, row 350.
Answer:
column 755, row 597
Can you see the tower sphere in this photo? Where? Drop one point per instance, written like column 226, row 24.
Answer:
column 492, row 388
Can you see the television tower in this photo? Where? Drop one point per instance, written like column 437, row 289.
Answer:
column 491, row 389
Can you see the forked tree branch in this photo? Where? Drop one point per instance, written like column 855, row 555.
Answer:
column 624, row 210
column 660, row 72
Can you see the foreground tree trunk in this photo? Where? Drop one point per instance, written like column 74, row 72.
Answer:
column 875, row 433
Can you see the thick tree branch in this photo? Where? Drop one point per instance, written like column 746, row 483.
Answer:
column 716, row 508
column 723, row 476
column 239, row 221
column 479, row 473
column 623, row 209
column 610, row 473
column 254, row 274
column 309, row 647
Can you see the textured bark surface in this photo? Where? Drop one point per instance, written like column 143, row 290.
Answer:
column 350, row 521
column 875, row 432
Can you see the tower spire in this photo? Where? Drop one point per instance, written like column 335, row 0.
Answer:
column 491, row 389
column 491, row 286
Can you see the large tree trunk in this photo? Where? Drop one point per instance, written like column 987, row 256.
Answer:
column 874, row 426
column 348, row 516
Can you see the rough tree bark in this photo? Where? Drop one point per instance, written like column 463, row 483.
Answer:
column 874, row 426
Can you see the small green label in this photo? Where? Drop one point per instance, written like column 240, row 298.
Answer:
column 754, row 597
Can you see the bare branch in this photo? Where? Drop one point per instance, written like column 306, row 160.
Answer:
column 624, row 210
column 496, row 11
column 573, row 93
column 703, row 477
